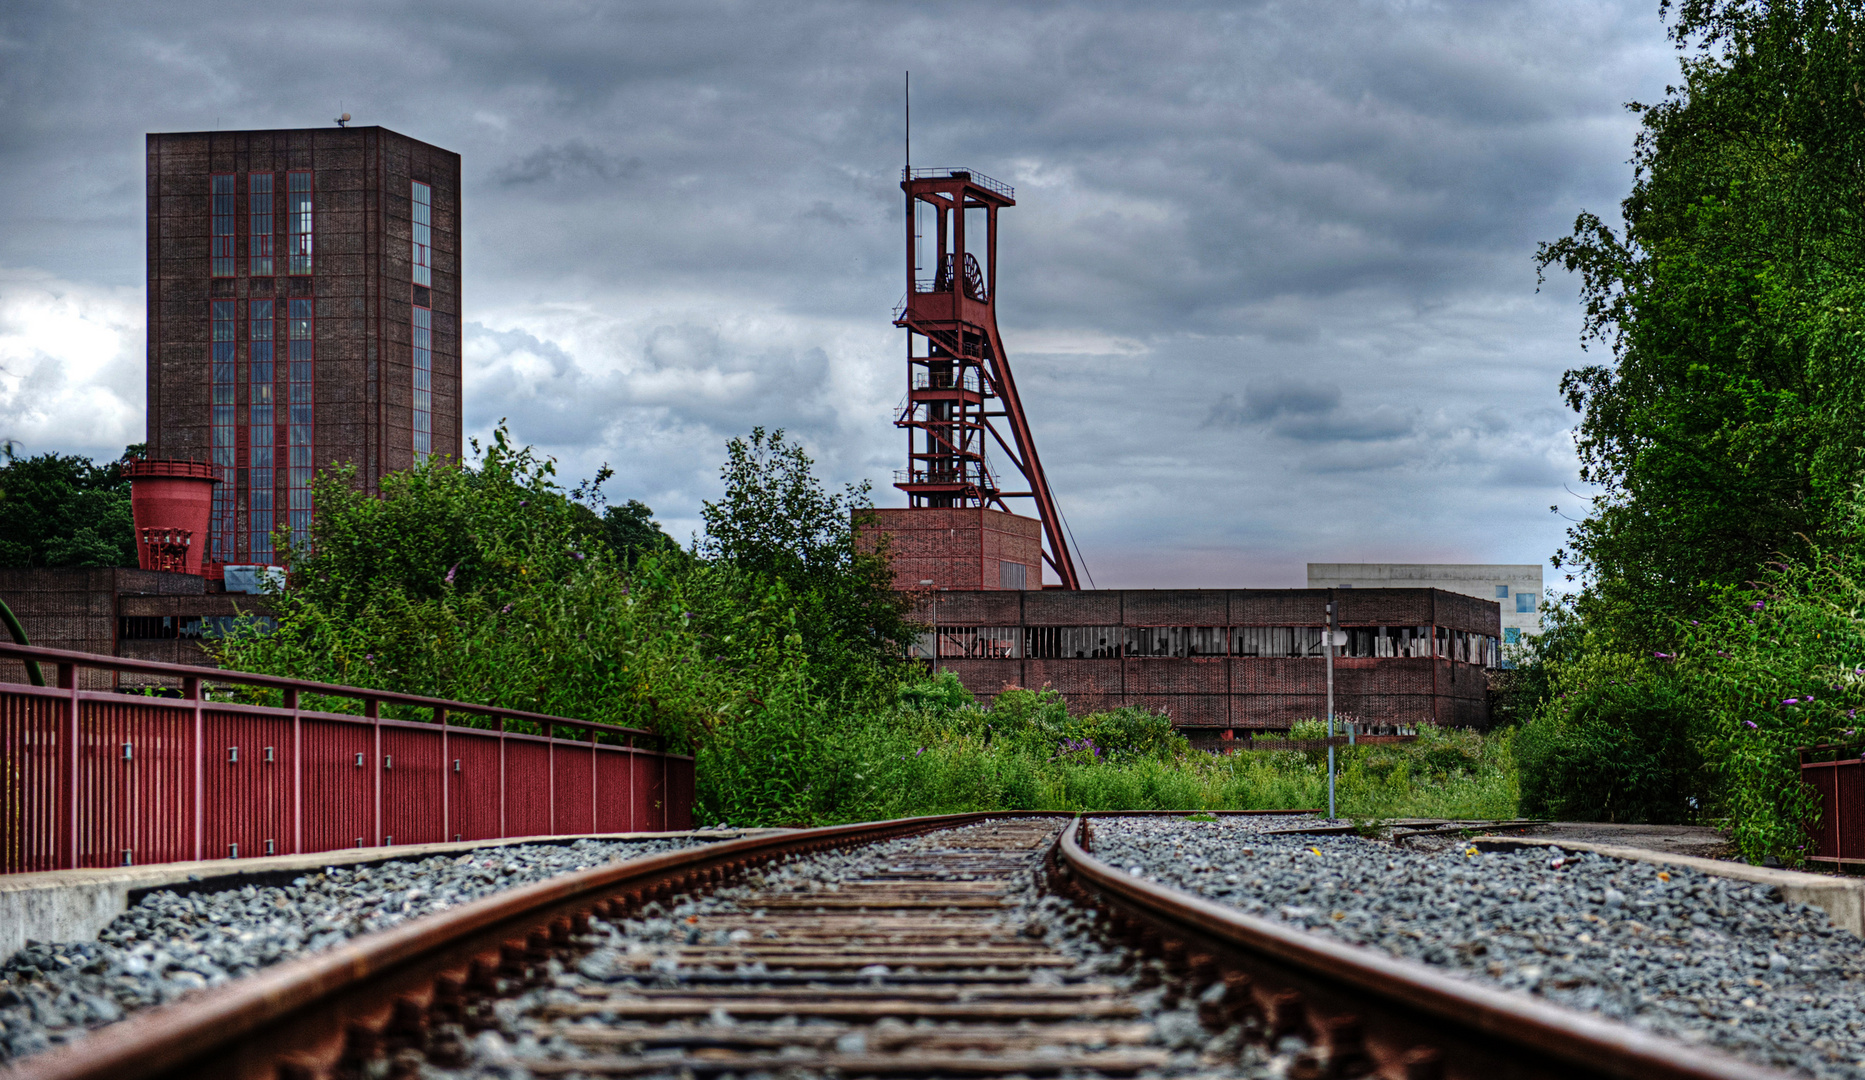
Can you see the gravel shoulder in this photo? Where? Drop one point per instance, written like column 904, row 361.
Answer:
column 170, row 944
column 1703, row 959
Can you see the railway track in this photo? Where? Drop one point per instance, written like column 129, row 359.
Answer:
column 968, row 945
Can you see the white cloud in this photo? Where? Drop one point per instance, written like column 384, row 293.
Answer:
column 71, row 365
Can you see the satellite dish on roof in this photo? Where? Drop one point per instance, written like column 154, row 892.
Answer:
column 344, row 120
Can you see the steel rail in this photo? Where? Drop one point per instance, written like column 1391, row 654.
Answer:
column 301, row 1019
column 1365, row 1013
column 1401, row 1018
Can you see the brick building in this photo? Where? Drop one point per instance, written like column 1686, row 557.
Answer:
column 304, row 310
column 1224, row 659
column 959, row 547
column 118, row 611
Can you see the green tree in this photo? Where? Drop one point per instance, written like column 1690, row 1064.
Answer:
column 632, row 532
column 776, row 522
column 1731, row 419
column 65, row 511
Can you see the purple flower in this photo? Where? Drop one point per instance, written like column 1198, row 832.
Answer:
column 1660, row 656
column 578, row 554
column 920, row 751
column 450, row 573
column 1752, row 725
column 369, row 656
column 506, row 610
column 1760, row 605
column 1694, row 622
column 1790, row 701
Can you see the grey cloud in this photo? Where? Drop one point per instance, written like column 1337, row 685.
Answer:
column 571, row 158
column 683, row 218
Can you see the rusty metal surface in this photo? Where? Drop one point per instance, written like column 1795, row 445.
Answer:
column 934, row 910
column 100, row 779
column 301, row 1016
column 1405, row 1019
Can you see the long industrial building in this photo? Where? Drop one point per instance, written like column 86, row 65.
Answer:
column 1218, row 660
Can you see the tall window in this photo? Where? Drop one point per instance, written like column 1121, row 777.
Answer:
column 223, row 318
column 423, row 235
column 260, row 432
column 423, row 383
column 225, row 221
column 298, row 221
column 259, row 225
column 298, row 431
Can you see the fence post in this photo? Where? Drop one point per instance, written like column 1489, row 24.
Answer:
column 550, row 764
column 373, row 710
column 68, row 682
column 446, row 783
column 297, row 771
column 191, row 691
column 595, row 768
column 502, row 827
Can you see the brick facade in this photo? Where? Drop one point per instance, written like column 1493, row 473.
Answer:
column 135, row 614
column 1208, row 693
column 962, row 548
column 361, row 281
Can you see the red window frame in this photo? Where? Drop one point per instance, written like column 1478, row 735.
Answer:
column 298, row 241
column 224, row 225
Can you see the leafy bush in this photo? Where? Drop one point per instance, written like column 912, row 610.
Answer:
column 1614, row 750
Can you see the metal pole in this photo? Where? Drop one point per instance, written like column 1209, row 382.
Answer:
column 1330, row 647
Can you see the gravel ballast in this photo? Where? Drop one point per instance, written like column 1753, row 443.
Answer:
column 1703, row 959
column 168, row 944
column 643, row 951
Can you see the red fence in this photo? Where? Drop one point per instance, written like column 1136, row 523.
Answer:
column 94, row 778
column 1837, row 776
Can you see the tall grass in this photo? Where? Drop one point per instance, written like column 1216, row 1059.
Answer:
column 939, row 753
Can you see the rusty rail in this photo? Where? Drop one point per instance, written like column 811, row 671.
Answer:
column 1367, row 1014
column 1401, row 1018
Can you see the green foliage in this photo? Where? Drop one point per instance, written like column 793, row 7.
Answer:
column 775, row 522
column 488, row 584
column 1775, row 667
column 632, row 532
column 1718, row 630
column 65, row 512
column 1726, row 428
column 781, row 670
column 1614, row 749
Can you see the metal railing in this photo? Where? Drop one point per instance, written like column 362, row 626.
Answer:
column 94, row 778
column 941, row 172
column 983, row 481
column 941, row 380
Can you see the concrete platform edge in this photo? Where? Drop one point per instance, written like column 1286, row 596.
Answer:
column 75, row 905
column 1843, row 899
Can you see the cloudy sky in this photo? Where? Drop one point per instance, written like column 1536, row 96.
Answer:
column 1268, row 289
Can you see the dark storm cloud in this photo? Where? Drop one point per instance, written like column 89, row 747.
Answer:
column 1266, row 257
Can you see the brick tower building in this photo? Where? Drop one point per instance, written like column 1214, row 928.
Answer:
column 304, row 311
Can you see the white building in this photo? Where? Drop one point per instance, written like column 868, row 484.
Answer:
column 1516, row 589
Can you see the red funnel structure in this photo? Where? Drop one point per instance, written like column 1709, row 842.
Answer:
column 171, row 502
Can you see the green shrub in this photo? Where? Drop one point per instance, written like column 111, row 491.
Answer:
column 1616, row 749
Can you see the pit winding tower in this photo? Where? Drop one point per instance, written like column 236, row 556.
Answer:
column 959, row 383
